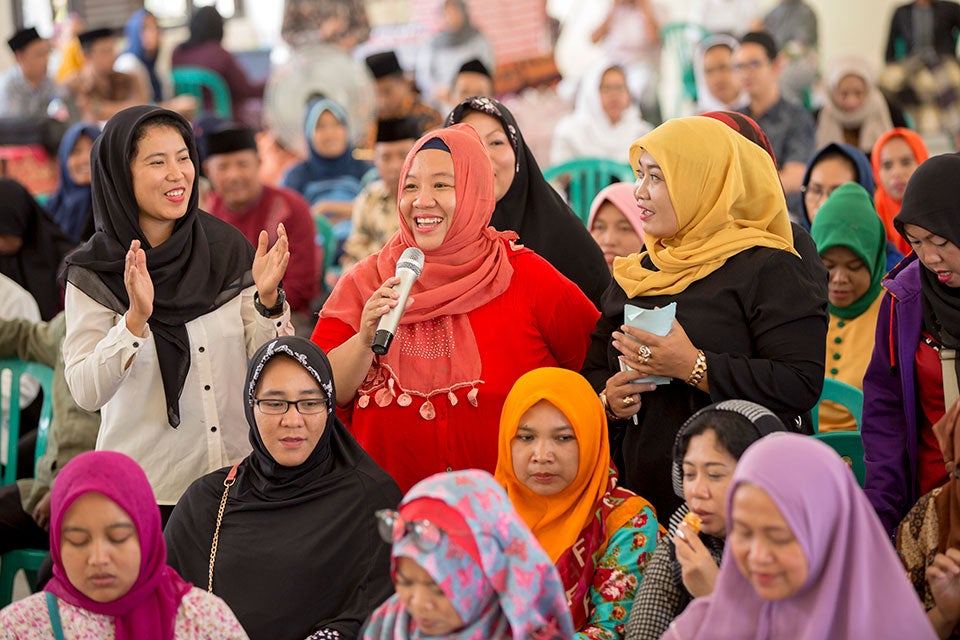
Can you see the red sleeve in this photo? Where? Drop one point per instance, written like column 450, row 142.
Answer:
column 301, row 281
column 565, row 315
column 331, row 333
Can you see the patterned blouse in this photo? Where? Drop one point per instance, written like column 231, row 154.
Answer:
column 202, row 616
column 917, row 541
column 375, row 220
column 618, row 575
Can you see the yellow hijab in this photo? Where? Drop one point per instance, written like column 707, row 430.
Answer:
column 558, row 520
column 727, row 197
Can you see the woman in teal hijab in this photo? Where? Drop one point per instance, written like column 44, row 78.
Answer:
column 852, row 244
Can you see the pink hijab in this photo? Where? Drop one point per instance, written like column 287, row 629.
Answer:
column 856, row 587
column 620, row 195
column 149, row 610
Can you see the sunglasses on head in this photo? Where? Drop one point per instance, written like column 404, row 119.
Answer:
column 424, row 534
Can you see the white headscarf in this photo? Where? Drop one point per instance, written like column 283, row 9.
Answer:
column 588, row 132
column 706, row 101
column 872, row 117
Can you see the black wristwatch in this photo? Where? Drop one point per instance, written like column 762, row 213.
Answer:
column 269, row 312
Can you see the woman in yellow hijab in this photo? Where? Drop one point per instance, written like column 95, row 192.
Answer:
column 750, row 320
column 553, row 459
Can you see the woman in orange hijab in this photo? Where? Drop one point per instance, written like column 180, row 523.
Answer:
column 554, row 462
column 896, row 155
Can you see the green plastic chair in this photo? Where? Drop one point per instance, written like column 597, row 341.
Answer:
column 849, row 445
column 849, row 397
column 27, row 560
column 328, row 242
column 587, row 177
column 197, row 81
column 678, row 40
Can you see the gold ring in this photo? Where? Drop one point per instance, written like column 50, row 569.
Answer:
column 627, row 401
column 644, row 353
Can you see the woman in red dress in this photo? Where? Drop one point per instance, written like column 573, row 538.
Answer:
column 484, row 311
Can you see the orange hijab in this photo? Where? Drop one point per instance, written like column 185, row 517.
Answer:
column 887, row 207
column 557, row 521
column 436, row 351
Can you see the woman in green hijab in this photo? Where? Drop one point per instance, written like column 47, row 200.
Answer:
column 851, row 242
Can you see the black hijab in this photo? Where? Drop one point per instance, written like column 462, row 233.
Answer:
column 535, row 210
column 264, row 479
column 291, row 532
column 35, row 265
column 206, row 25
column 930, row 204
column 204, row 264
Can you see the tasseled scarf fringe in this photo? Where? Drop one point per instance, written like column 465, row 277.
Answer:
column 383, row 385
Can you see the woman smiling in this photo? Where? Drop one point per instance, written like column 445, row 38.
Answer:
column 803, row 559
column 484, row 311
column 164, row 305
column 295, row 513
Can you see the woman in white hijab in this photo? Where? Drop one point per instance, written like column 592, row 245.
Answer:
column 718, row 88
column 856, row 112
column 604, row 119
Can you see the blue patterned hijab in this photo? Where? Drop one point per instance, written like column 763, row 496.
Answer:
column 513, row 592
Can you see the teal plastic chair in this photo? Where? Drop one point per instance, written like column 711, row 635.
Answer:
column 328, row 241
column 26, row 560
column 199, row 82
column 849, row 445
column 843, row 394
column 587, row 176
column 678, row 41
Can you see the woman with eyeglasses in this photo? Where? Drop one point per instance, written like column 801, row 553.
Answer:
column 466, row 567
column 554, row 462
column 832, row 166
column 285, row 536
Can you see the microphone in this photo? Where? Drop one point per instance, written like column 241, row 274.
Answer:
column 408, row 270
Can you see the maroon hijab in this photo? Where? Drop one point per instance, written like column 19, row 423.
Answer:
column 149, row 610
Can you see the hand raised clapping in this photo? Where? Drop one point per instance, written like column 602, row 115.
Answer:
column 139, row 287
column 270, row 266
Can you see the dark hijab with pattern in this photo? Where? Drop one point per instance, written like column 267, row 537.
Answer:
column 204, row 264
column 535, row 210
column 308, row 529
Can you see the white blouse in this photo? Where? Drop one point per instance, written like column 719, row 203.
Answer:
column 110, row 369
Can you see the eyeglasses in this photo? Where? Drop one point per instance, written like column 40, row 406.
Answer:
column 817, row 193
column 750, row 65
column 393, row 528
column 306, row 407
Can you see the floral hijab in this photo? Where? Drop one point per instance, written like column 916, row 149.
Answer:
column 504, row 587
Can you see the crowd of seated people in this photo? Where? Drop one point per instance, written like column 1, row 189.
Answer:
column 499, row 419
